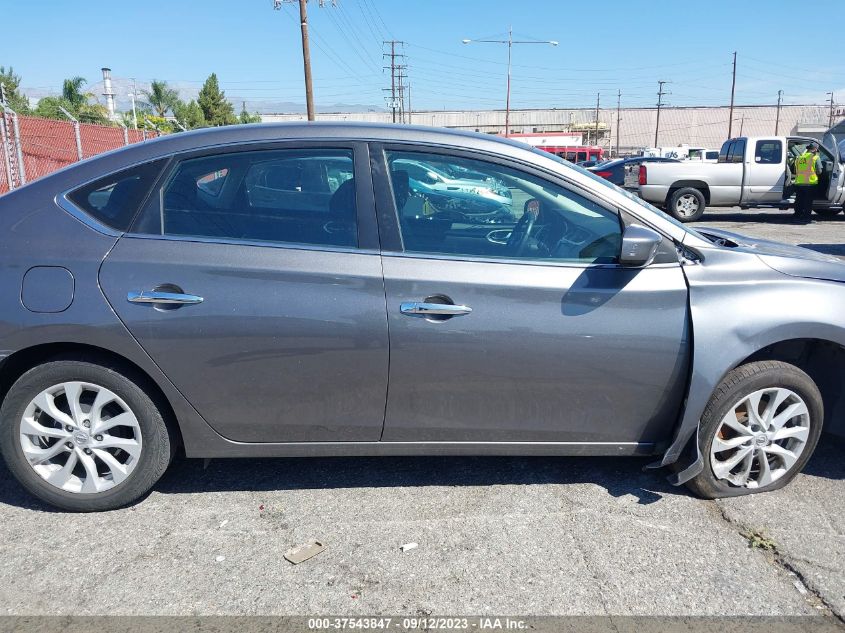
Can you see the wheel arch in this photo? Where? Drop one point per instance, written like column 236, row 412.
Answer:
column 700, row 185
column 823, row 361
column 18, row 363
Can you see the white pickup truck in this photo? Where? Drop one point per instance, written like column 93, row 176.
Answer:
column 751, row 171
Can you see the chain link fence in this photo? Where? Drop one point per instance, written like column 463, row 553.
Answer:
column 33, row 147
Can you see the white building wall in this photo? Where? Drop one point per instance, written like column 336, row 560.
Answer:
column 704, row 126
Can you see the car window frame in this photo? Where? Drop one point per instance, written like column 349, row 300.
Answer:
column 366, row 222
column 388, row 214
column 64, row 200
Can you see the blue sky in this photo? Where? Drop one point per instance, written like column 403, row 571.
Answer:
column 604, row 47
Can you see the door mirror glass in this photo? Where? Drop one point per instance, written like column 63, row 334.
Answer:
column 639, row 246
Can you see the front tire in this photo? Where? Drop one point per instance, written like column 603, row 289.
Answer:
column 83, row 436
column 758, row 430
column 686, row 204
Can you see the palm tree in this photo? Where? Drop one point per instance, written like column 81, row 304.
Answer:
column 72, row 92
column 161, row 97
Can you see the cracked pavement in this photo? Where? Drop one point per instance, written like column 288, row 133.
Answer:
column 522, row 536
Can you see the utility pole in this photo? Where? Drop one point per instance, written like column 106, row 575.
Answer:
column 409, row 104
column 401, row 89
column 510, row 42
column 830, row 118
column 306, row 59
column 660, row 94
column 618, row 119
column 134, row 96
column 395, row 77
column 306, row 49
column 598, row 97
column 777, row 116
column 733, row 91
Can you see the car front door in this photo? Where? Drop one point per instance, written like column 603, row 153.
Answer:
column 524, row 329
column 836, row 189
column 252, row 278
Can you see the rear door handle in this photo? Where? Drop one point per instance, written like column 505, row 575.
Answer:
column 433, row 309
column 163, row 298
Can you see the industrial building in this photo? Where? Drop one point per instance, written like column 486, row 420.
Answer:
column 629, row 129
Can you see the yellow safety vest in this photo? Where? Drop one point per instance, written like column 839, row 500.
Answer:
column 805, row 169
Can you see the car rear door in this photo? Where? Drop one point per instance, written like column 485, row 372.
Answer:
column 765, row 170
column 252, row 278
column 489, row 345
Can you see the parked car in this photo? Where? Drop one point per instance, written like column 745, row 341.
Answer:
column 615, row 170
column 223, row 292
column 751, row 171
column 589, row 163
column 467, row 194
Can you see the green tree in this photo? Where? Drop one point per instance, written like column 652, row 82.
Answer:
column 189, row 114
column 72, row 93
column 48, row 107
column 11, row 84
column 161, row 97
column 141, row 109
column 76, row 102
column 215, row 108
column 246, row 117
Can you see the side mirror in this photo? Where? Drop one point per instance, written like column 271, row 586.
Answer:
column 639, row 246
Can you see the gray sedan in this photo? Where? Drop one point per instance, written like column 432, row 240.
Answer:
column 282, row 290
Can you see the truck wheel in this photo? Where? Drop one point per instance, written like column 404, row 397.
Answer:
column 827, row 213
column 758, row 430
column 686, row 205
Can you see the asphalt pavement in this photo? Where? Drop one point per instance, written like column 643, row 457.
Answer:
column 587, row 536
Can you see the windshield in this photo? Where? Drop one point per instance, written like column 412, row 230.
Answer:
column 631, row 196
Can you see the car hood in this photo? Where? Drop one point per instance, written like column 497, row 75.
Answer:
column 790, row 260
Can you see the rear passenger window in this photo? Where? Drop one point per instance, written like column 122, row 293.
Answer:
column 768, row 152
column 281, row 196
column 738, row 152
column 115, row 199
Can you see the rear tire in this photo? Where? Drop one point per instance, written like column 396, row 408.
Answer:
column 686, row 204
column 87, row 427
column 796, row 405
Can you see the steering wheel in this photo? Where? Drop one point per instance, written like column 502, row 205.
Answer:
column 521, row 233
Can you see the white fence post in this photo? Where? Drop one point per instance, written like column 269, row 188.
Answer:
column 76, row 132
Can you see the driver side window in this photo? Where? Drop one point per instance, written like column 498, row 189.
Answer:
column 476, row 208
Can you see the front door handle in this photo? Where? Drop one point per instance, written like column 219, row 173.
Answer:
column 433, row 309
column 156, row 297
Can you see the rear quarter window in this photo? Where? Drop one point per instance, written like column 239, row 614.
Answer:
column 114, row 199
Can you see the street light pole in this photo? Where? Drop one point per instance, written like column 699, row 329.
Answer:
column 510, row 42
column 134, row 112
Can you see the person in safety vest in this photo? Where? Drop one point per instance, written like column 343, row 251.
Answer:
column 807, row 170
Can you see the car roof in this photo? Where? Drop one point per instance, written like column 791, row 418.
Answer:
column 258, row 133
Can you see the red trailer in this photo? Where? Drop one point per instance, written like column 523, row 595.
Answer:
column 567, row 145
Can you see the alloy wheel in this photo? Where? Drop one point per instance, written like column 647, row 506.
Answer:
column 80, row 437
column 761, row 438
column 687, row 205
